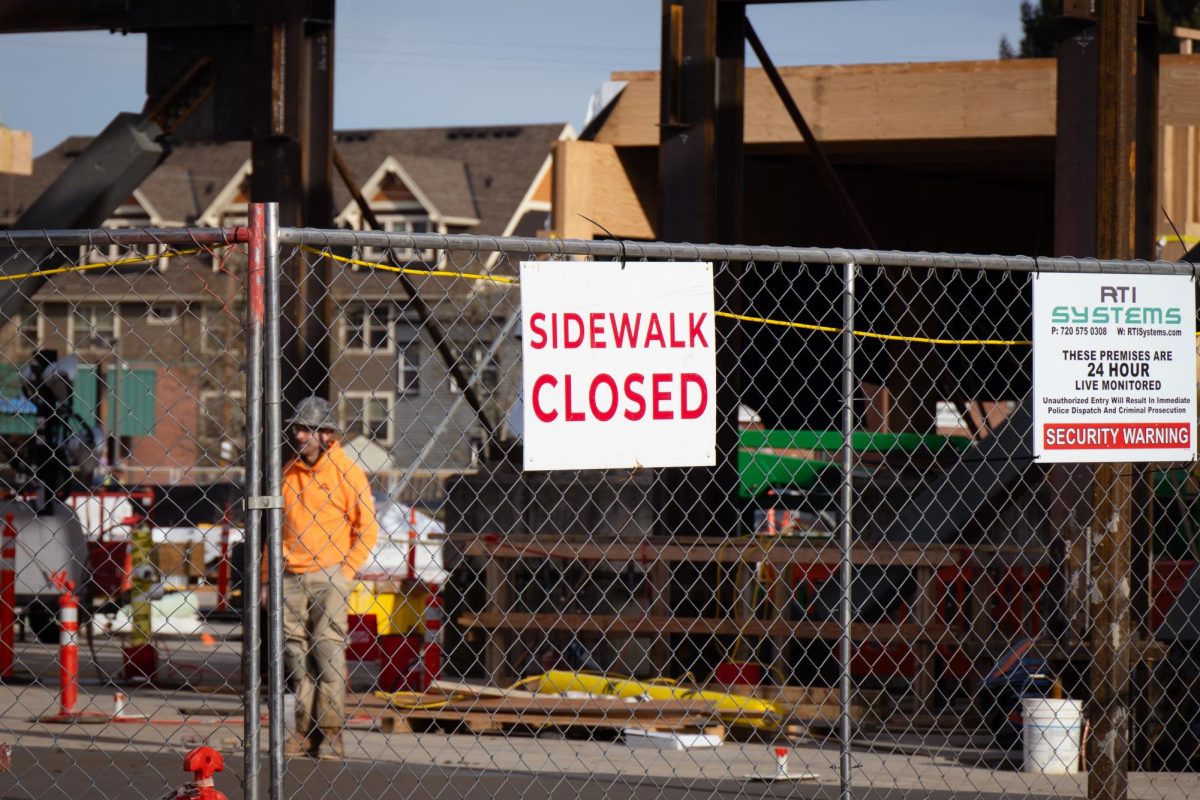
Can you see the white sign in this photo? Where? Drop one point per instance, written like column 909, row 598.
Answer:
column 1114, row 368
column 619, row 365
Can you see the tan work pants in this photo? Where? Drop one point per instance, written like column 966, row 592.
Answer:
column 314, row 637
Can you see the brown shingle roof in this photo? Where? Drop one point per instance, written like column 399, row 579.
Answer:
column 473, row 172
column 501, row 160
column 192, row 176
column 17, row 192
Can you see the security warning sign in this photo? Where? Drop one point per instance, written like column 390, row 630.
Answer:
column 619, row 365
column 1114, row 368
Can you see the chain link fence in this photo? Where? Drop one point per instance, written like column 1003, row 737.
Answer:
column 878, row 588
column 122, row 428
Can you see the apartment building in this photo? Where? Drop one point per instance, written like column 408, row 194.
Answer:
column 160, row 341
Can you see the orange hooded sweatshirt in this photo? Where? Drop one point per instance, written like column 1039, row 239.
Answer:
column 328, row 515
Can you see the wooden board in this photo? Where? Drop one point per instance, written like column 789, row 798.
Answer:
column 888, row 633
column 779, row 550
column 453, row 688
column 875, row 102
column 16, row 152
column 892, row 102
column 583, row 707
column 590, row 181
column 484, row 722
column 581, row 714
column 808, row 704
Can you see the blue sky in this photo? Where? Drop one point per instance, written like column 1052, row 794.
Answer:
column 400, row 63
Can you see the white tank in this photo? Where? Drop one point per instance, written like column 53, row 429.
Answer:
column 46, row 543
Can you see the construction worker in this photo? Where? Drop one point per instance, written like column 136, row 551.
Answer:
column 329, row 530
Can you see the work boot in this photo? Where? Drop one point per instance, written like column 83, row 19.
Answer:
column 332, row 748
column 296, row 745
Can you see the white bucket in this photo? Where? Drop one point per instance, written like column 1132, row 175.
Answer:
column 1052, row 734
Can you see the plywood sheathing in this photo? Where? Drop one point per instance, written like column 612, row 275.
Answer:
column 888, row 102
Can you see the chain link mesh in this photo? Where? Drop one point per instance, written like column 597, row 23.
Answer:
column 121, row 384
column 456, row 627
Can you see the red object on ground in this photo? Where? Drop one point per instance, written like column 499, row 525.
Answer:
column 431, row 651
column 111, row 563
column 223, row 572
column 745, row 673
column 8, row 595
column 141, row 663
column 412, row 543
column 68, row 656
column 363, row 633
column 203, row 763
column 68, row 644
column 399, row 656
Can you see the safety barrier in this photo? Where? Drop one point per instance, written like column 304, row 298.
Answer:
column 8, row 596
column 874, row 574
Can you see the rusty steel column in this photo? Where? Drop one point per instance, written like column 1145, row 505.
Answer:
column 700, row 183
column 1109, row 634
column 1075, row 138
column 292, row 155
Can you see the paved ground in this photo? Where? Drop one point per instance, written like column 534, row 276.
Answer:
column 143, row 759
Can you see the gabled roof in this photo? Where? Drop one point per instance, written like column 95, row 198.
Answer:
column 440, row 185
column 467, row 173
column 499, row 162
column 189, row 180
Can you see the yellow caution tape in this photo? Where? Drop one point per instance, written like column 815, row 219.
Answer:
column 1185, row 239
column 427, row 273
column 512, row 281
column 869, row 335
column 121, row 262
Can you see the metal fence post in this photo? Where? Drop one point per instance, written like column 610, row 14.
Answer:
column 845, row 611
column 272, row 478
column 252, row 559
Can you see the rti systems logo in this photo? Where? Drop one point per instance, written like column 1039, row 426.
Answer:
column 1118, row 305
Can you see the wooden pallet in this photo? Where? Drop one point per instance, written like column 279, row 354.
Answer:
column 568, row 714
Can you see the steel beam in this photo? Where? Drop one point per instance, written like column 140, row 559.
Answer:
column 1108, row 711
column 39, row 16
column 700, row 181
column 1145, row 234
column 292, row 155
column 824, row 166
column 1075, row 139
column 98, row 180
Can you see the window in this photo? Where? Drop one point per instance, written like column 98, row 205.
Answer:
column 399, row 223
column 29, row 332
column 95, row 325
column 489, row 373
column 368, row 414
column 367, row 327
column 212, row 339
column 408, row 367
column 102, row 251
column 475, row 442
column 162, row 313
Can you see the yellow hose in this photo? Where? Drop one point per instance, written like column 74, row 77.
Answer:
column 410, row 701
column 735, row 709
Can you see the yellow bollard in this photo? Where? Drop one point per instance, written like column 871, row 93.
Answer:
column 141, row 660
